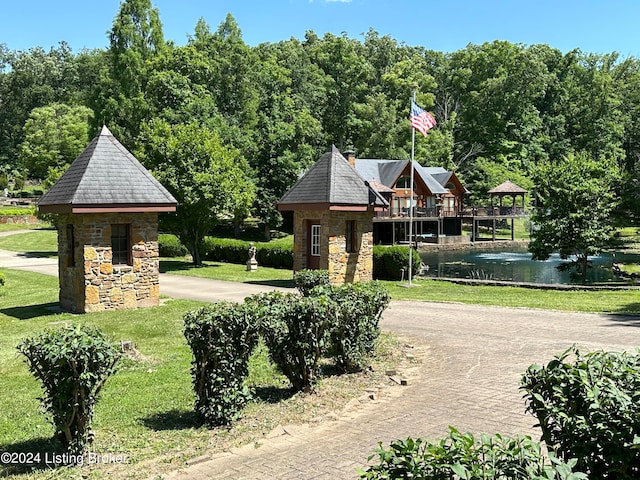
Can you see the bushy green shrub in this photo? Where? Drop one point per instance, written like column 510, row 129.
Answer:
column 222, row 337
column 237, row 251
column 2, row 279
column 305, row 280
column 73, row 364
column 461, row 456
column 588, row 407
column 355, row 331
column 294, row 329
column 389, row 262
column 170, row 246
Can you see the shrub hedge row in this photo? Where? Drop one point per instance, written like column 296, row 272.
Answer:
column 237, row 251
column 388, row 261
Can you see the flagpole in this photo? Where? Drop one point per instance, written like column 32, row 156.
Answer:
column 413, row 142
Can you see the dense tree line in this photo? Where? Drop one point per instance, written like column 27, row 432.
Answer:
column 502, row 108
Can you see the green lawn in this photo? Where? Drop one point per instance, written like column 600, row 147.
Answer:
column 427, row 290
column 228, row 271
column 146, row 408
column 39, row 242
column 620, row 301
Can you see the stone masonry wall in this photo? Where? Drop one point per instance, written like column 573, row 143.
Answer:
column 342, row 266
column 345, row 267
column 92, row 282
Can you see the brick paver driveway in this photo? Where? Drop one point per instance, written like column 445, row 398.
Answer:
column 471, row 361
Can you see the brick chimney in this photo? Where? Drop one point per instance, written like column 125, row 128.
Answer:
column 351, row 157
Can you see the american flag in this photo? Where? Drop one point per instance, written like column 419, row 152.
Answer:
column 421, row 120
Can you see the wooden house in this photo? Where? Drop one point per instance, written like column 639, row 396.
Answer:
column 437, row 201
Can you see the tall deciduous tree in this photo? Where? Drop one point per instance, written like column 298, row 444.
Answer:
column 209, row 180
column 53, row 136
column 577, row 196
column 136, row 38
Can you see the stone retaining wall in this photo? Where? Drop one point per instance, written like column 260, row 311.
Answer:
column 19, row 219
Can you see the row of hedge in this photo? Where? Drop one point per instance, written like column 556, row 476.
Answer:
column 340, row 322
column 389, row 263
column 237, row 251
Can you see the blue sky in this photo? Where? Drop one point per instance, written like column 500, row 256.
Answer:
column 594, row 26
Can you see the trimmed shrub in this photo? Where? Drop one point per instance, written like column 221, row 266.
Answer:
column 459, row 456
column 73, row 363
column 305, row 280
column 389, row 262
column 294, row 328
column 170, row 246
column 354, row 333
column 237, row 251
column 588, row 408
column 222, row 337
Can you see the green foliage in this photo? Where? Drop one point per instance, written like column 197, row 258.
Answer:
column 575, row 218
column 354, row 334
column 588, row 408
column 54, row 135
column 307, row 279
column 2, row 279
column 221, row 336
column 170, row 246
column 208, row 179
column 73, row 364
column 237, row 251
column 294, row 331
column 389, row 262
column 462, row 456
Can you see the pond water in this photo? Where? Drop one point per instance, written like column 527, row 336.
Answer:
column 516, row 265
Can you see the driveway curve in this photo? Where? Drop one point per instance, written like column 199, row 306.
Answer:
column 470, row 359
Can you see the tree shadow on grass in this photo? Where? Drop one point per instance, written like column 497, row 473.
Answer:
column 28, row 312
column 172, row 420
column 32, row 455
column 168, row 266
column 273, row 394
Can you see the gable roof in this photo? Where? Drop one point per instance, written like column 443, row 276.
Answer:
column 507, row 188
column 387, row 172
column 106, row 177
column 332, row 181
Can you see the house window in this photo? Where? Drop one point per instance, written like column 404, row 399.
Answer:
column 71, row 246
column 315, row 240
column 351, row 236
column 120, row 244
column 404, row 182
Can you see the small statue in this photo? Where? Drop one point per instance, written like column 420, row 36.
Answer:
column 252, row 263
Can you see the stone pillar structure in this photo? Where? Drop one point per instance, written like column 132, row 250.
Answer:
column 89, row 279
column 343, row 266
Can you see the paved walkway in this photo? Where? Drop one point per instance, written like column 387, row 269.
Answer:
column 471, row 361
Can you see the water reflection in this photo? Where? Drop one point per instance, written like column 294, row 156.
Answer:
column 516, row 265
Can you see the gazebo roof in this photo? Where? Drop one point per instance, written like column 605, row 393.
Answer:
column 106, row 177
column 331, row 183
column 507, row 188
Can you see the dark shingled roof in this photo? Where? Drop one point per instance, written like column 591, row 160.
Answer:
column 332, row 180
column 507, row 188
column 107, row 176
